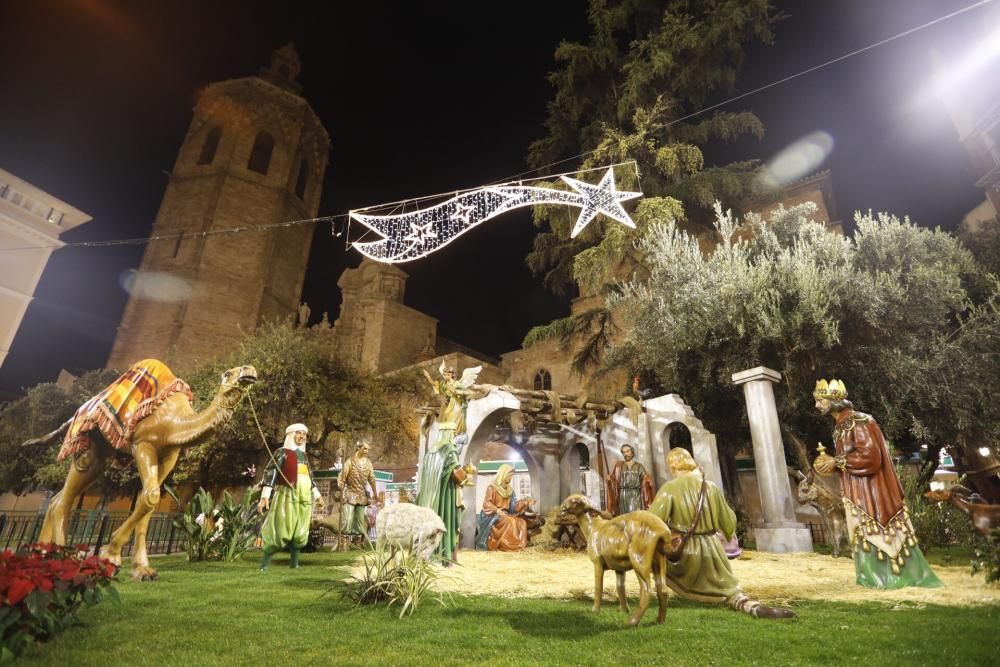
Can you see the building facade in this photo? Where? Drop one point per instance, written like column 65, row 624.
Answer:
column 254, row 155
column 31, row 222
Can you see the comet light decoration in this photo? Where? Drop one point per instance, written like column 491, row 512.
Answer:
column 409, row 236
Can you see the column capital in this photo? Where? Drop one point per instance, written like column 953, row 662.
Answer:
column 758, row 373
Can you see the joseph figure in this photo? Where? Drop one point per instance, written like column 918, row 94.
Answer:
column 630, row 487
column 884, row 545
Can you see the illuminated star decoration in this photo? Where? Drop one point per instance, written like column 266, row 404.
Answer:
column 409, row 236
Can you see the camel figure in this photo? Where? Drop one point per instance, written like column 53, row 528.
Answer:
column 985, row 518
column 154, row 435
column 636, row 541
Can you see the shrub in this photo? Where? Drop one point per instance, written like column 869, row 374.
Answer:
column 986, row 557
column 223, row 532
column 394, row 575
column 41, row 588
column 317, row 538
column 936, row 524
column 198, row 525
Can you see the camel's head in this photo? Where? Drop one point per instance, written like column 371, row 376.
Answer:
column 577, row 505
column 241, row 376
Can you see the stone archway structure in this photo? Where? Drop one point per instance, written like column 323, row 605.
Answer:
column 565, row 426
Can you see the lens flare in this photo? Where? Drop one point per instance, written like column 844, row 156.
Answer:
column 800, row 158
column 155, row 286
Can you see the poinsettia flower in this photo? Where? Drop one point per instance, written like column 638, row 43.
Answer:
column 19, row 590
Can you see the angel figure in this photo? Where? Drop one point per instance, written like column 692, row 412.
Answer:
column 456, row 394
column 441, row 474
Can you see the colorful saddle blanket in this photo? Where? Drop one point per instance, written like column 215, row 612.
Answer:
column 119, row 407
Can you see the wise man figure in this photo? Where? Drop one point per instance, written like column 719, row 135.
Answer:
column 358, row 473
column 630, row 487
column 882, row 538
column 289, row 515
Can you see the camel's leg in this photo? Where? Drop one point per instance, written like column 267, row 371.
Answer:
column 85, row 469
column 661, row 586
column 598, row 586
column 140, row 558
column 622, row 600
column 147, row 462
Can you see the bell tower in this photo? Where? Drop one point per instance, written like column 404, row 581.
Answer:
column 254, row 155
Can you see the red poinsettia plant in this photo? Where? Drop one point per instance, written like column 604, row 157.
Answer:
column 41, row 588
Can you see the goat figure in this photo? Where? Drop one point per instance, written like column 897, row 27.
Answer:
column 828, row 503
column 636, row 541
column 985, row 518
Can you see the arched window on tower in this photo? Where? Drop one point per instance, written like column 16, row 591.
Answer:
column 210, row 146
column 260, row 156
column 543, row 380
column 302, row 182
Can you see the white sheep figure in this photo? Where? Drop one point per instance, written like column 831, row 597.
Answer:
column 407, row 525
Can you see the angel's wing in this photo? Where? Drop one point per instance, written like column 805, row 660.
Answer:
column 469, row 376
column 442, row 368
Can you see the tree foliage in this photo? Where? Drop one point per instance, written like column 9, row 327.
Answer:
column 44, row 408
column 626, row 95
column 300, row 380
column 890, row 311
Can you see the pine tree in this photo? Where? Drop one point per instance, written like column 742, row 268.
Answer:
column 626, row 95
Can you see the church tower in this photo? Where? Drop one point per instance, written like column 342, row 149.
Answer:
column 255, row 154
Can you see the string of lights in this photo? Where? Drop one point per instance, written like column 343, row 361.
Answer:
column 408, row 236
column 516, row 178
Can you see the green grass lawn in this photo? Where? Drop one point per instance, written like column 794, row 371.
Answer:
column 219, row 614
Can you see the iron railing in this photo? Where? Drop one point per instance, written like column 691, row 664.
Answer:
column 92, row 529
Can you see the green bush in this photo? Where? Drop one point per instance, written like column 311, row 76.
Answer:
column 936, row 524
column 317, row 538
column 396, row 576
column 223, row 532
column 986, row 557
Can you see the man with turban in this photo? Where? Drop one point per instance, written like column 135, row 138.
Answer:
column 287, row 522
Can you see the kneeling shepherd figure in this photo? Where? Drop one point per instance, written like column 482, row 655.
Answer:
column 702, row 572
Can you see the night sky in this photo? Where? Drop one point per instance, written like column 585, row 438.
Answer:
column 419, row 99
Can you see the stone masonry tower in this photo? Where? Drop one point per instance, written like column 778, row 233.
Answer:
column 255, row 154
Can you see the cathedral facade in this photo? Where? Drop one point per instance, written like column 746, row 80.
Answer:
column 254, row 155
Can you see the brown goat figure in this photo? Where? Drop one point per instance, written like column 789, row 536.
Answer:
column 985, row 518
column 636, row 541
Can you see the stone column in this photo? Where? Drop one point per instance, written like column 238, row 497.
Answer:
column 780, row 532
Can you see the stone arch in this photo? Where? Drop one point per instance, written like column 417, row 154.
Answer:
column 210, row 146
column 677, row 434
column 481, row 420
column 261, row 153
column 661, row 413
column 574, row 461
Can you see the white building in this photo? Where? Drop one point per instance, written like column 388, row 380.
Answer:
column 31, row 222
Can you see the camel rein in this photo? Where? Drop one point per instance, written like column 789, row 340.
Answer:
column 263, row 438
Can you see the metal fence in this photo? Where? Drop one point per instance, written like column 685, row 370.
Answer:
column 819, row 533
column 93, row 529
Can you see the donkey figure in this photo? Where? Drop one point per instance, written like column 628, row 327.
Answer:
column 829, row 505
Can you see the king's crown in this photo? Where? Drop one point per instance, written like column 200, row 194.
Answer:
column 835, row 390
